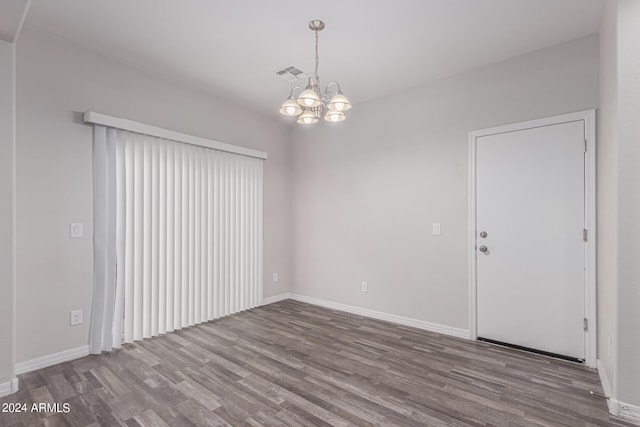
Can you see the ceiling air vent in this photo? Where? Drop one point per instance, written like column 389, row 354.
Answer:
column 291, row 74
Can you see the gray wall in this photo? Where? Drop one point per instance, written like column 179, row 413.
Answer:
column 367, row 191
column 7, row 205
column 619, row 201
column 607, row 176
column 56, row 81
column 628, row 136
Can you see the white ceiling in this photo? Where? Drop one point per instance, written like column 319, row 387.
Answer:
column 372, row 47
column 12, row 13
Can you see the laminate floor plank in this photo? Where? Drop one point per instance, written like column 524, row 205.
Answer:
column 295, row 364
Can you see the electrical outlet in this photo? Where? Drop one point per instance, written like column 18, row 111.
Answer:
column 76, row 230
column 76, row 317
column 436, row 228
column 275, row 277
column 365, row 287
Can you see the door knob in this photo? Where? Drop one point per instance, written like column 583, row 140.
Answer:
column 483, row 248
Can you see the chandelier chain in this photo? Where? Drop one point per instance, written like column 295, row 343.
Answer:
column 317, row 59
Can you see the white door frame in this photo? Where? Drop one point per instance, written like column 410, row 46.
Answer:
column 589, row 118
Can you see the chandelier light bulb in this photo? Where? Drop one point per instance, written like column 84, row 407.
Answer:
column 291, row 111
column 339, row 106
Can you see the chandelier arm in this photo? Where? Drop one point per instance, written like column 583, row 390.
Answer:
column 327, row 91
column 294, row 88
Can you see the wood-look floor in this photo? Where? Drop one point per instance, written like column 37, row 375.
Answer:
column 296, row 364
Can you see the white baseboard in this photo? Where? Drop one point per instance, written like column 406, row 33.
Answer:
column 604, row 380
column 9, row 387
column 52, row 359
column 626, row 411
column 619, row 409
column 276, row 298
column 394, row 318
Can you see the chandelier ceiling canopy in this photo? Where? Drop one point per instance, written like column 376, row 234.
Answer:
column 311, row 103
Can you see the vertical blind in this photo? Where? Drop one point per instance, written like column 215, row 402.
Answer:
column 191, row 222
column 193, row 248
column 193, row 240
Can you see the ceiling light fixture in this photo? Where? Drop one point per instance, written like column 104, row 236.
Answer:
column 310, row 103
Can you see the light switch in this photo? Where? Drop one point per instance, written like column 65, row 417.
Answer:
column 436, row 228
column 76, row 229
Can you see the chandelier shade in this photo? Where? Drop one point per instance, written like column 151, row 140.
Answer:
column 290, row 107
column 308, row 117
column 309, row 98
column 311, row 103
column 339, row 102
column 334, row 116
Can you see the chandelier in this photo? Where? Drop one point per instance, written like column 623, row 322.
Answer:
column 309, row 105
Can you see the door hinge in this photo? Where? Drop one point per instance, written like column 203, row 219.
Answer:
column 584, row 234
column 585, row 324
column 585, row 145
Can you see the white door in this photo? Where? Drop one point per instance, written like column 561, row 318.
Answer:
column 530, row 283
